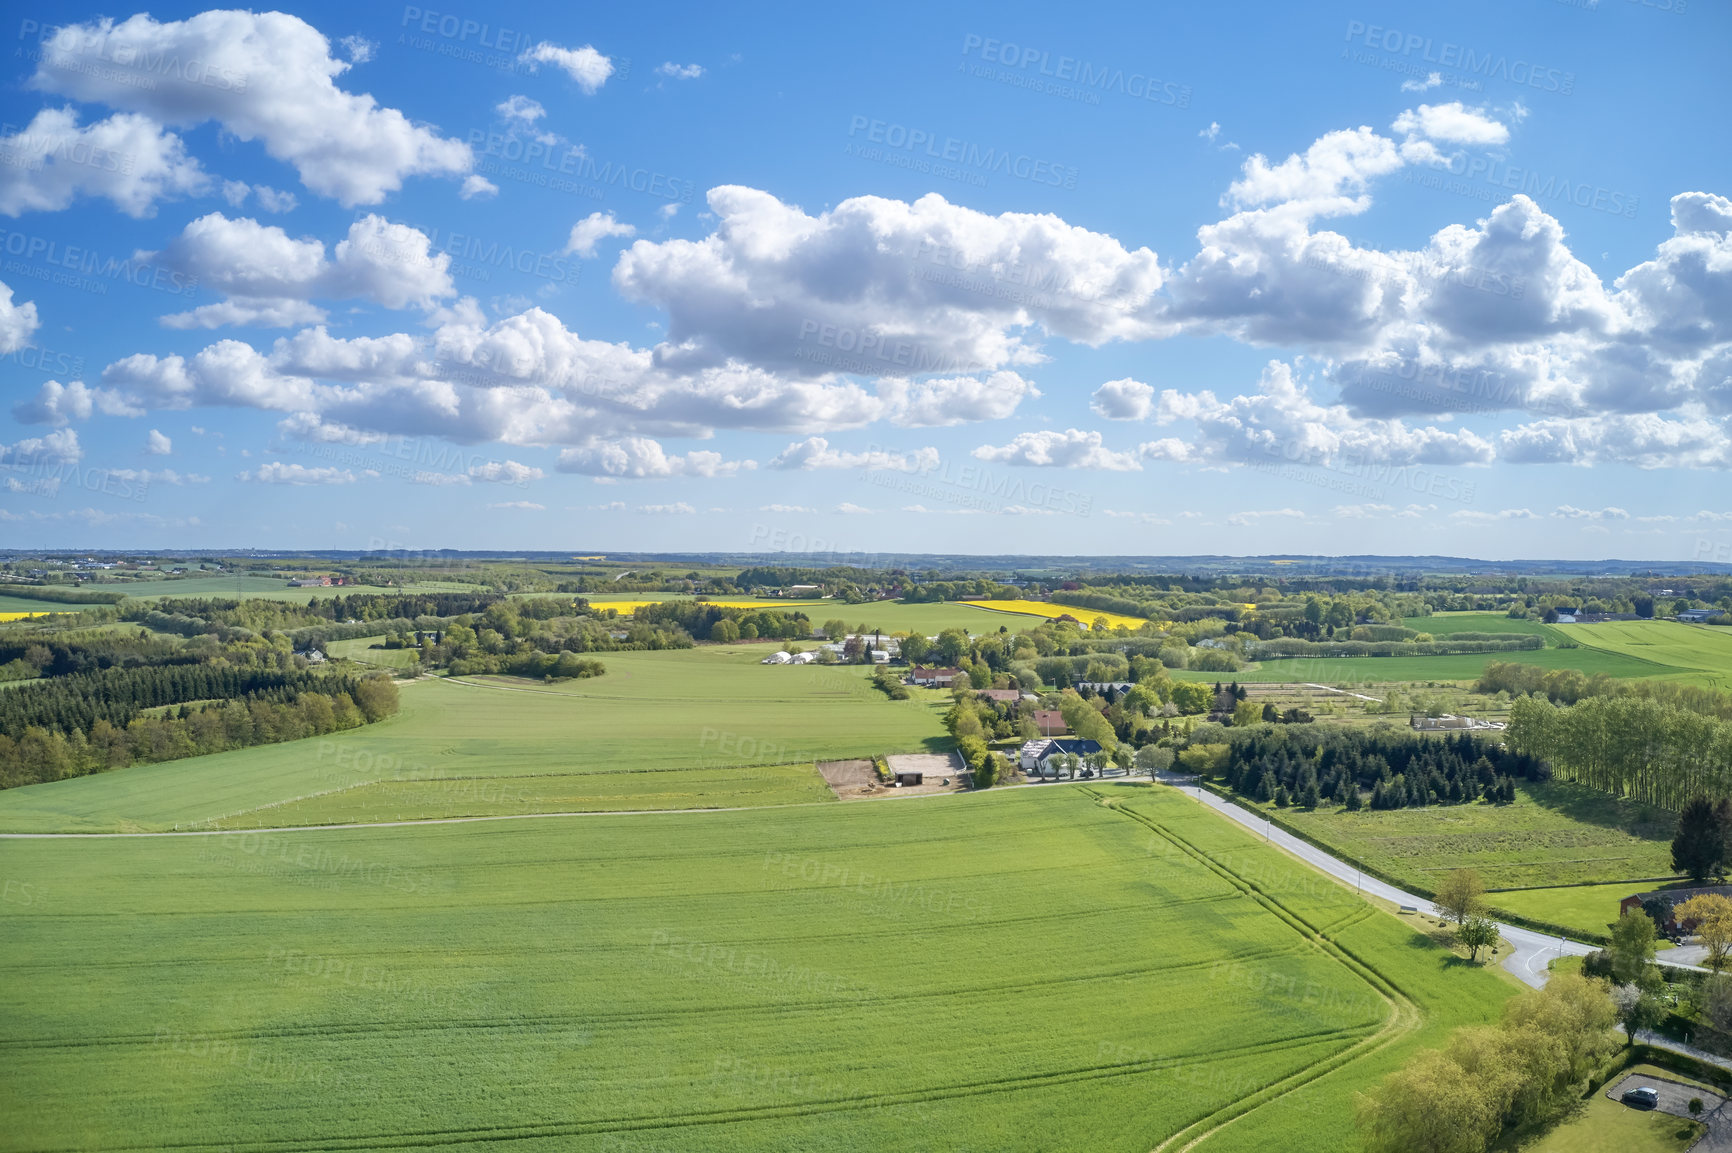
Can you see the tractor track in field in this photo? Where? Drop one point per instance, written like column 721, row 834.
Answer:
column 1404, row 1014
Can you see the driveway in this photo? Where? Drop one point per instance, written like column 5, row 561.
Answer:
column 1533, row 951
column 1675, row 1099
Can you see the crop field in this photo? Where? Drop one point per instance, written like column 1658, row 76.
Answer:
column 1051, row 611
column 998, row 971
column 1700, row 654
column 38, row 614
column 682, row 728
column 928, row 619
column 13, row 605
column 1450, row 667
column 1555, row 833
column 1446, row 624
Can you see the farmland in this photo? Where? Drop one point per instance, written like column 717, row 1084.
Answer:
column 1700, row 654
column 890, row 616
column 1555, row 833
column 710, row 982
column 671, row 729
column 1587, row 909
column 1449, row 667
column 1051, row 611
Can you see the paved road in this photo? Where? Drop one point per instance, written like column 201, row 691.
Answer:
column 1533, row 951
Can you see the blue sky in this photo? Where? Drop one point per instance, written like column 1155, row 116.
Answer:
column 1339, row 278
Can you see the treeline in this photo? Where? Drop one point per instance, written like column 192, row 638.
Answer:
column 1282, row 648
column 1308, row 766
column 192, row 616
column 707, row 622
column 930, row 592
column 60, row 596
column 1567, row 686
column 539, row 665
column 74, row 703
column 1650, row 750
column 286, row 712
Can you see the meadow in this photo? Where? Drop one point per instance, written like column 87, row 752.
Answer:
column 684, row 728
column 928, row 619
column 1587, row 909
column 1449, row 667
column 1006, row 971
column 1702, row 654
column 1555, row 833
column 1447, row 624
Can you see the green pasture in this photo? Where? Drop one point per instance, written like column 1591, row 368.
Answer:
column 1450, row 667
column 360, row 649
column 1024, row 970
column 669, row 729
column 1446, row 624
column 1701, row 653
column 1584, row 908
column 1554, row 833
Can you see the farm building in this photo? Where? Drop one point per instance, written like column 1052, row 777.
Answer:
column 1103, row 686
column 909, row 777
column 1668, row 898
column 932, row 678
column 1037, row 755
column 1049, row 722
column 803, row 658
column 1697, row 615
column 1001, row 696
column 776, row 659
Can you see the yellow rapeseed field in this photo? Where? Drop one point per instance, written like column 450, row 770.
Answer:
column 22, row 616
column 1042, row 609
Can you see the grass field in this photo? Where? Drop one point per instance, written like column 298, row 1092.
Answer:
column 1026, row 970
column 358, row 649
column 1703, row 651
column 13, row 605
column 1446, row 624
column 1450, row 667
column 1585, row 908
column 1554, row 833
column 1600, row 1125
column 661, row 730
column 267, row 588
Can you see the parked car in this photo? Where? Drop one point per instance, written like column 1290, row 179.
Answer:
column 1642, row 1097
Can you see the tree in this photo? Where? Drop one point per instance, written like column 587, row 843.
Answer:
column 1192, row 698
column 1632, row 948
column 1154, row 759
column 1461, row 895
column 1431, row 1105
column 1712, row 917
column 1477, row 933
column 1247, row 713
column 1637, row 1009
column 1699, row 848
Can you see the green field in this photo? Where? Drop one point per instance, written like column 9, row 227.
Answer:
column 1026, row 970
column 1703, row 653
column 1584, row 908
column 1600, row 1125
column 1555, row 833
column 889, row 616
column 1450, row 667
column 1446, row 624
column 266, row 588
column 661, row 730
column 359, row 649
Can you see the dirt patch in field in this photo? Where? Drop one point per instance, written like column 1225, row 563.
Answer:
column 849, row 779
column 935, row 767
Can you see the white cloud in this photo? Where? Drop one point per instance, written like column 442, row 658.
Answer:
column 157, row 444
column 872, row 287
column 1470, row 514
column 640, row 457
column 1570, row 512
column 1250, row 518
column 440, row 479
column 477, row 187
column 360, row 49
column 815, row 452
column 847, row 508
column 1452, row 123
column 17, row 321
column 520, row 111
column 126, row 159
column 60, row 404
column 585, row 65
column 526, row 505
column 1646, row 440
column 678, row 508
column 270, row 279
column 262, row 76
column 55, row 448
column 1071, row 448
column 1329, row 179
column 276, row 472
column 1123, row 399
column 1374, row 511
column 679, row 71
column 596, row 226
column 505, row 472
column 941, row 403
column 786, row 508
column 1432, row 80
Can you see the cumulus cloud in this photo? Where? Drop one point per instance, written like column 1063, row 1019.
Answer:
column 126, row 159
column 959, row 400
column 848, row 508
column 789, row 508
column 477, row 187
column 679, row 71
column 270, row 278
column 592, row 228
column 585, row 65
column 1123, row 399
column 815, row 452
column 525, row 505
column 262, row 76
column 60, row 404
column 873, row 287
column 1452, row 123
column 1250, row 518
column 276, row 472
column 1072, row 448
column 17, row 321
column 678, row 508
column 157, row 444
column 1570, row 512
column 638, row 457
column 1282, row 423
column 55, row 448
